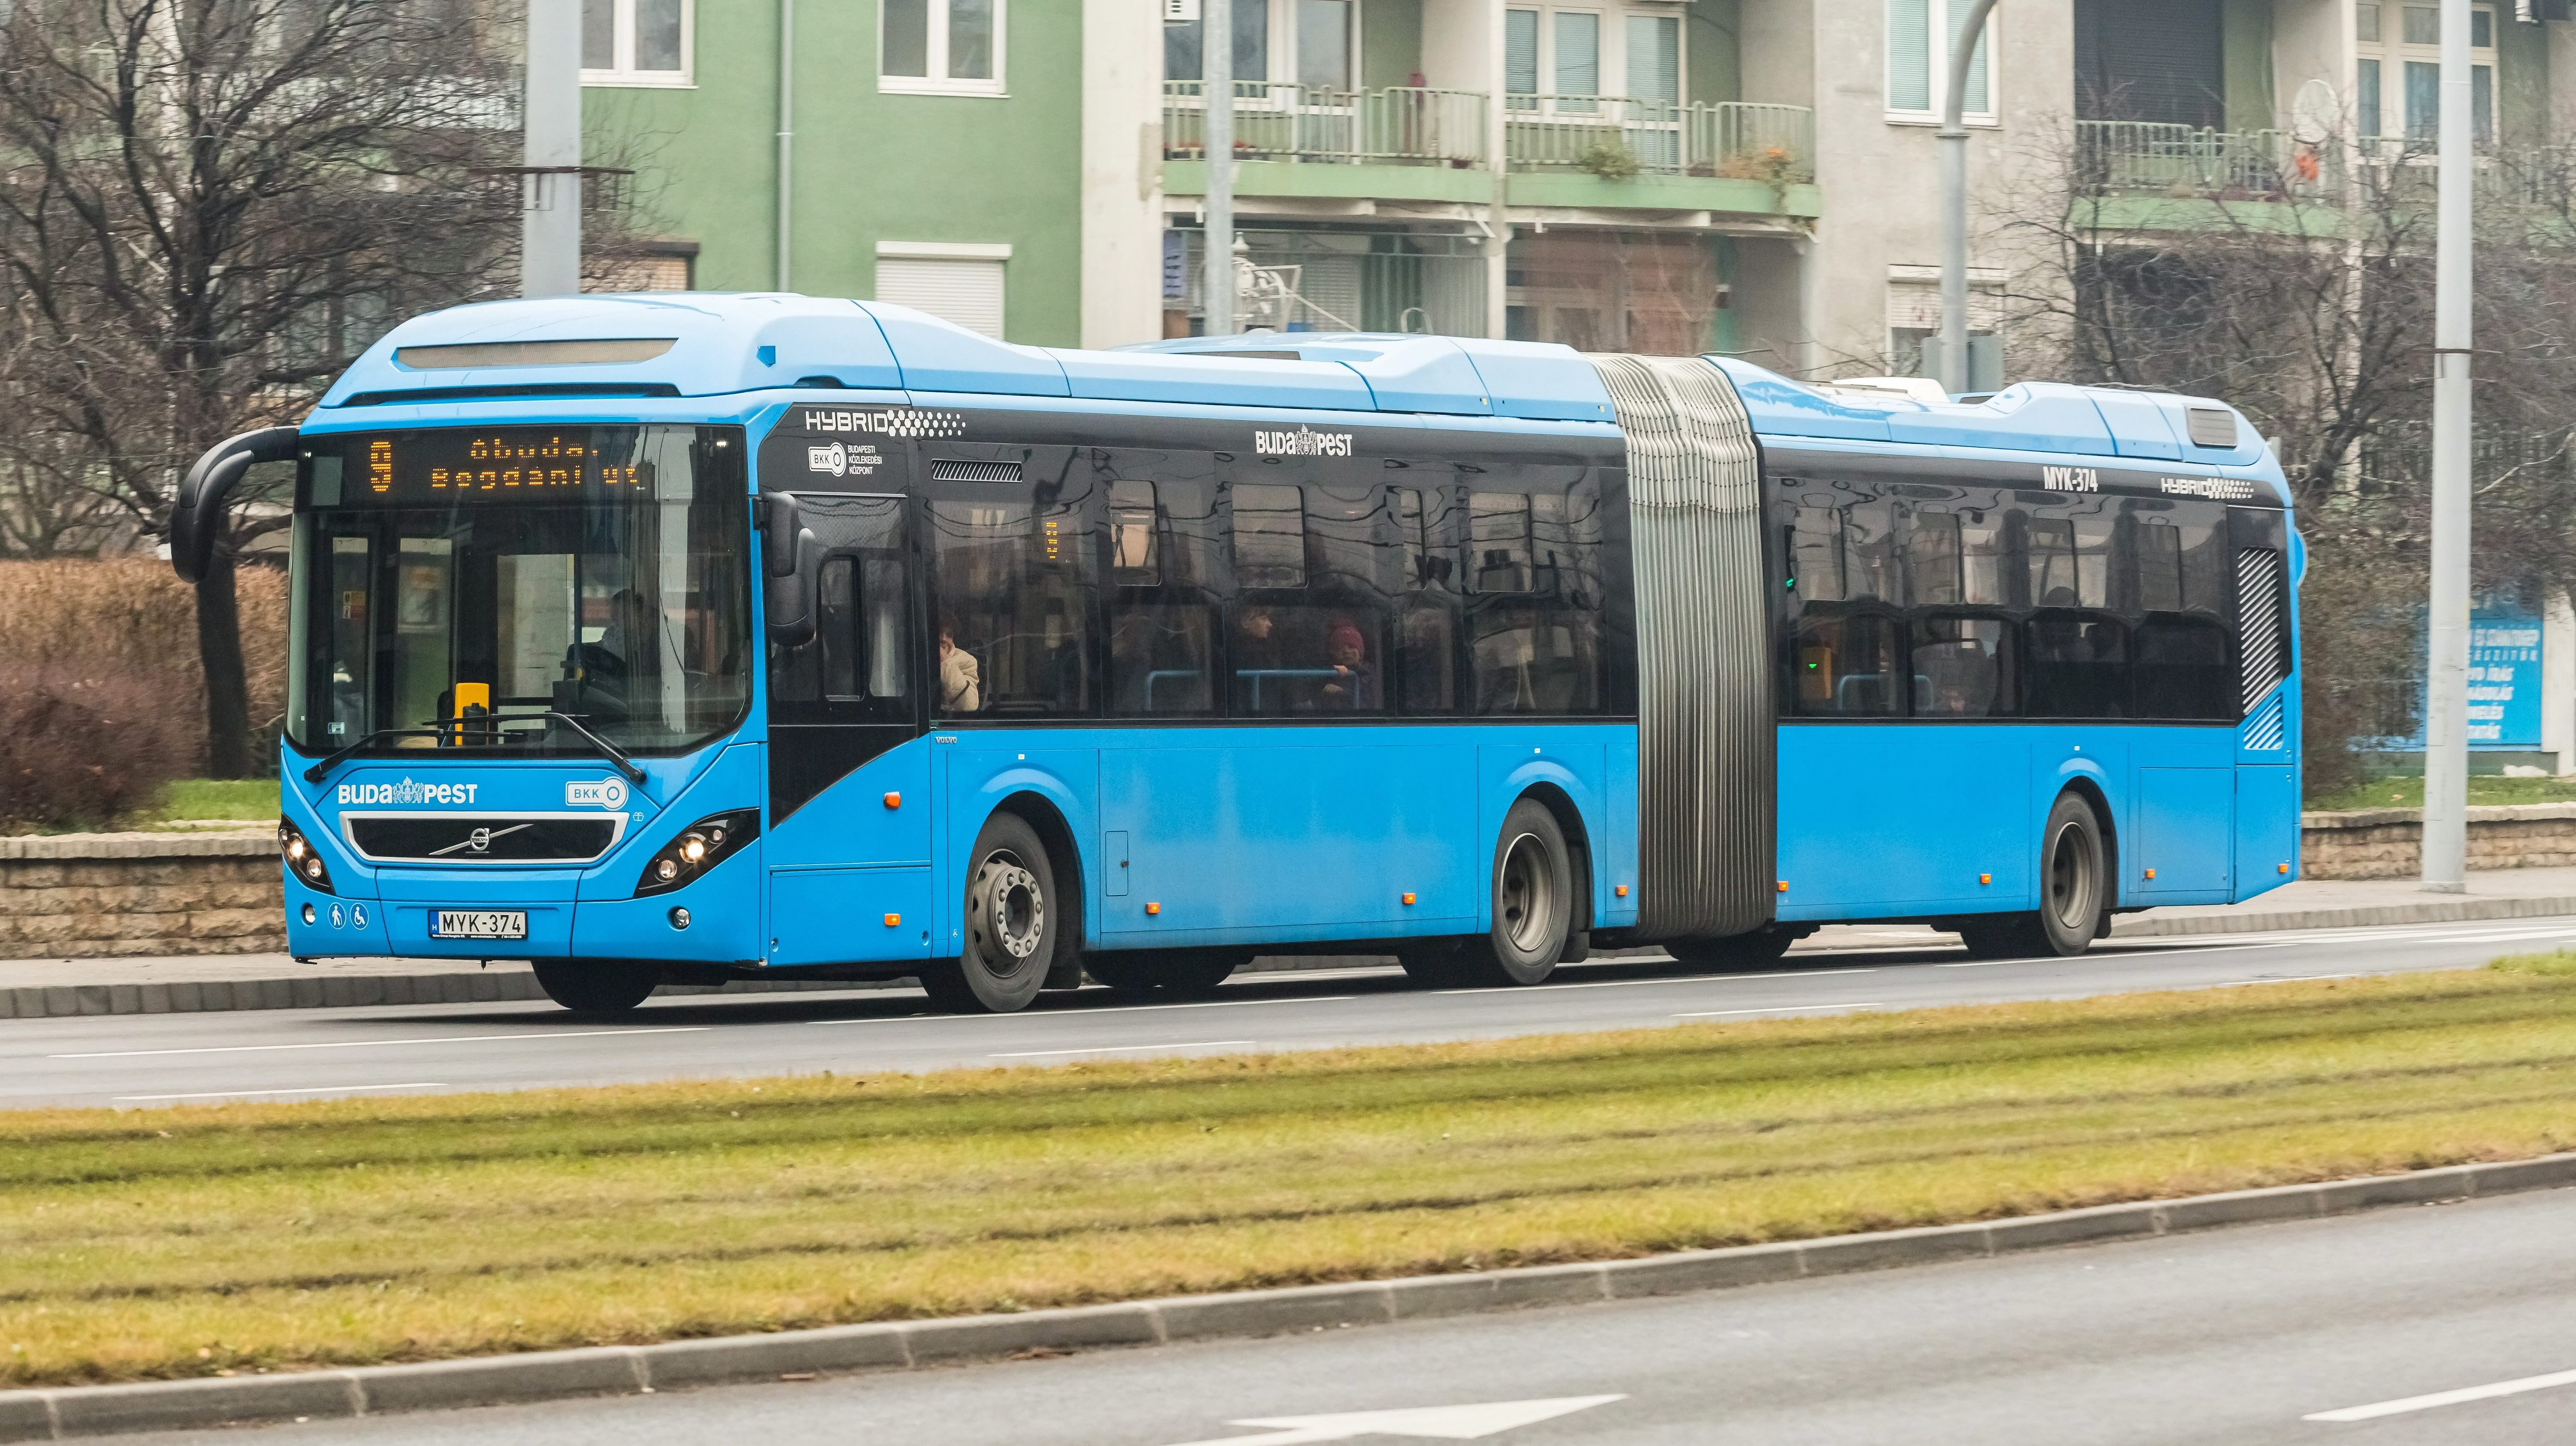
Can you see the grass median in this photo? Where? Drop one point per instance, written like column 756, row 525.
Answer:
column 266, row 1237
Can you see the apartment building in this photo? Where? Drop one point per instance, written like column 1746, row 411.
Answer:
column 1754, row 177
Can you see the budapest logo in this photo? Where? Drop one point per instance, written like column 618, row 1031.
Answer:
column 407, row 792
column 602, row 793
column 1304, row 442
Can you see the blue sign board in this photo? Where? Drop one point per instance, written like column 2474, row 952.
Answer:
column 2504, row 681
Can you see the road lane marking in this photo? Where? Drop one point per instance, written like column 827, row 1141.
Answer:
column 1111, row 1009
column 384, row 1043
column 1119, row 1048
column 2400, row 1407
column 2121, row 954
column 1776, row 1009
column 1690, row 979
column 1444, row 1423
column 314, row 1090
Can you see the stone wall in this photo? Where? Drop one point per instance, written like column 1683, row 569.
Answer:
column 88, row 896
column 2388, row 843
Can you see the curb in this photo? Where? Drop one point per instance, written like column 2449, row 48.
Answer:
column 53, row 1415
column 2445, row 911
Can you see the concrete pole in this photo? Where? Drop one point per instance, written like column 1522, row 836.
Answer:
column 1498, row 162
column 1954, row 198
column 786, row 144
column 550, row 221
column 2446, row 704
column 1216, row 51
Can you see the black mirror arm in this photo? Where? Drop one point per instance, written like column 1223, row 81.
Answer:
column 196, row 514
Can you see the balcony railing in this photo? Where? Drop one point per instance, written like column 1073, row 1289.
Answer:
column 1396, row 126
column 2187, row 162
column 1616, row 137
column 1413, row 126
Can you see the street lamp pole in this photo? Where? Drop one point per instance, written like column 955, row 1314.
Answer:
column 1964, row 39
column 550, row 194
column 1216, row 50
column 2446, row 704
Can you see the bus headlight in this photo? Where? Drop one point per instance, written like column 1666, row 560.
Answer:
column 700, row 847
column 302, row 859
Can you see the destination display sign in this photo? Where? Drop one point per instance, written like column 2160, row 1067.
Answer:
column 467, row 465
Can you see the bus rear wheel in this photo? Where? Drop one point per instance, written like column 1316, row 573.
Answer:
column 1533, row 903
column 597, row 986
column 1166, row 971
column 2074, row 892
column 1011, row 915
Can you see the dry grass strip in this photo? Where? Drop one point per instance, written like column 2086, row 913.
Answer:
column 244, row 1237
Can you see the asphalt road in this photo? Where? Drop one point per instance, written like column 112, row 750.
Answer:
column 2234, row 1336
column 160, row 1059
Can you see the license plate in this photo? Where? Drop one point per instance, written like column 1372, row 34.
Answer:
column 480, row 924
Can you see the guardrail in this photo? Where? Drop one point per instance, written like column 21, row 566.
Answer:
column 2151, row 158
column 1616, row 137
column 1394, row 126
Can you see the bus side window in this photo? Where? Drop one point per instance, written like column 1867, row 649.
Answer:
column 1816, row 553
column 2179, row 639
column 1932, row 570
column 1427, row 622
column 1847, row 666
column 1010, row 589
column 1869, row 553
column 1162, row 621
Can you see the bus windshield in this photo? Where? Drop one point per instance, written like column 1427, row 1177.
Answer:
column 485, row 577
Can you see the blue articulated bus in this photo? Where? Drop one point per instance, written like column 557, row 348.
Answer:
column 687, row 638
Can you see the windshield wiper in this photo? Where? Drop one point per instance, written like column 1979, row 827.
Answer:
column 607, row 750
column 318, row 771
column 441, row 727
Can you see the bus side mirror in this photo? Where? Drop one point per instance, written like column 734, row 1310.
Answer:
column 788, row 564
column 197, row 513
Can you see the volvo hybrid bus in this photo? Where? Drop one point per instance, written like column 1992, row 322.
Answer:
column 688, row 638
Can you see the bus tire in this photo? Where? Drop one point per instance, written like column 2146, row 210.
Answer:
column 1166, row 971
column 1533, row 893
column 1011, row 915
column 1735, row 951
column 597, row 986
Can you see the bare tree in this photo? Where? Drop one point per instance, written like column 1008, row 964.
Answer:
column 207, row 208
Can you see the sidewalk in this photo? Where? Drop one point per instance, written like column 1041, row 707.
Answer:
column 35, row 988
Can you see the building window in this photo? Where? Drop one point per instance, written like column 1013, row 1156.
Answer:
column 1301, row 42
column 1918, row 70
column 954, row 281
column 1581, row 54
column 2397, row 73
column 941, row 47
column 636, row 42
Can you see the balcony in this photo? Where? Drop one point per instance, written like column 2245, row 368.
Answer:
column 1425, row 145
column 2138, row 158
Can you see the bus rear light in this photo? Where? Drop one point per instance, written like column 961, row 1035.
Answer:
column 700, row 847
column 302, row 859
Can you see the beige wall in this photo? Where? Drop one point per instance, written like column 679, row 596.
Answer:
column 1122, row 170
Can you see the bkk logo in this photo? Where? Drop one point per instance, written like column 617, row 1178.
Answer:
column 605, row 793
column 407, row 792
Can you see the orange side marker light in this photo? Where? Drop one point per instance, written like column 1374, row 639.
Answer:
column 1985, row 878
column 1621, row 891
column 894, row 800
column 2285, row 868
column 894, row 921
column 1784, row 886
column 1153, row 908
column 1408, row 898
column 2151, row 873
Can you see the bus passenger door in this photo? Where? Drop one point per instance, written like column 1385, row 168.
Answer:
column 848, row 851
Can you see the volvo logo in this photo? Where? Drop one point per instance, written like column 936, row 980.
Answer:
column 479, row 840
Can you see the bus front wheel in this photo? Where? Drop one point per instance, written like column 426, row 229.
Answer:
column 596, row 986
column 1533, row 901
column 1011, row 918
column 2074, row 892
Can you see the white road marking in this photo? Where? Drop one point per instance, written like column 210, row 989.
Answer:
column 2106, row 957
column 384, row 1043
column 1119, row 1048
column 315, row 1090
column 1624, row 983
column 1779, row 1009
column 1445, row 1423
column 1111, row 1009
column 2400, row 1407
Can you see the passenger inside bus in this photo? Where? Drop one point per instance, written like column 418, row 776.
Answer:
column 1354, row 688
column 960, row 682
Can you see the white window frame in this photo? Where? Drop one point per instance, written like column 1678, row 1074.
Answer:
column 2392, row 52
column 622, row 47
column 1938, row 64
column 1614, row 47
column 938, row 82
